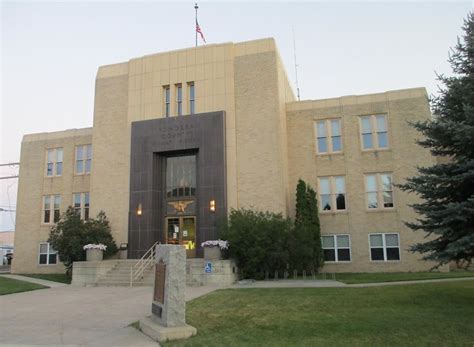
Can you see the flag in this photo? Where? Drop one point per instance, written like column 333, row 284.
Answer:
column 198, row 30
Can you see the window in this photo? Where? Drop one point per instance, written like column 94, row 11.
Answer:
column 51, row 208
column 47, row 255
column 179, row 100
column 328, row 136
column 181, row 176
column 167, row 96
column 83, row 159
column 336, row 248
column 332, row 193
column 379, row 190
column 54, row 162
column 374, row 134
column 384, row 247
column 192, row 109
column 81, row 205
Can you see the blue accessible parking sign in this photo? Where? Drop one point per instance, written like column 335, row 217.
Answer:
column 208, row 267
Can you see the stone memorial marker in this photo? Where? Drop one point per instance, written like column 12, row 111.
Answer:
column 168, row 308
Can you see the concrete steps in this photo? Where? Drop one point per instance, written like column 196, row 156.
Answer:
column 116, row 273
column 119, row 276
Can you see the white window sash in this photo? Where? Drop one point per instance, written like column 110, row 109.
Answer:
column 336, row 248
column 384, row 247
column 332, row 194
column 379, row 190
column 328, row 136
column 48, row 253
column 373, row 132
column 52, row 158
column 85, row 158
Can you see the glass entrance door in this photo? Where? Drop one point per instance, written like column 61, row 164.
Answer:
column 182, row 231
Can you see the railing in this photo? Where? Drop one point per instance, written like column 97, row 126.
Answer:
column 148, row 259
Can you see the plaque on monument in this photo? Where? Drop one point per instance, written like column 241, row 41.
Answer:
column 160, row 278
column 168, row 318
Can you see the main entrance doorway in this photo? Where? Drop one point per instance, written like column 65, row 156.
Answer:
column 182, row 231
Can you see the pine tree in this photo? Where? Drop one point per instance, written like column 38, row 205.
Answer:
column 447, row 189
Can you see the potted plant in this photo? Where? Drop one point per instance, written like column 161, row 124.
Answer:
column 213, row 248
column 95, row 252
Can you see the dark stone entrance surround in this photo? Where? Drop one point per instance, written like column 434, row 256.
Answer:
column 154, row 140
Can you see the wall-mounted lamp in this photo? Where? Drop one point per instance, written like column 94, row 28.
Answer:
column 212, row 205
column 139, row 209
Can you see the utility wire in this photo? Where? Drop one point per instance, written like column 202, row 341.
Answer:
column 8, row 177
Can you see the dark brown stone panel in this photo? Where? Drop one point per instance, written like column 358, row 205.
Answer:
column 154, row 140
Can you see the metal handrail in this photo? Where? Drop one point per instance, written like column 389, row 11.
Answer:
column 136, row 272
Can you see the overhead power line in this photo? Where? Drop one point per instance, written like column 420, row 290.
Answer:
column 7, row 177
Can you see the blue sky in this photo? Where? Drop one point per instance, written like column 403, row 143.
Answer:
column 50, row 52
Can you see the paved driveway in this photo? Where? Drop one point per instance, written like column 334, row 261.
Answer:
column 78, row 316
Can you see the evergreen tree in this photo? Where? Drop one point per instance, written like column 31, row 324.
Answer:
column 313, row 221
column 305, row 240
column 447, row 189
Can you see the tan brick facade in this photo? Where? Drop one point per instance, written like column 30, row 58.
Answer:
column 34, row 184
column 270, row 144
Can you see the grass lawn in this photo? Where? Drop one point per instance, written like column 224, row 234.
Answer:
column 414, row 315
column 62, row 278
column 9, row 286
column 351, row 278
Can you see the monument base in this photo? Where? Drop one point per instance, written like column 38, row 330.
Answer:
column 162, row 334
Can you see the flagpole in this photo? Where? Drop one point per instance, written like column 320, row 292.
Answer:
column 195, row 27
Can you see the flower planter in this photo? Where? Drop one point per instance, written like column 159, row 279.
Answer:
column 212, row 253
column 94, row 254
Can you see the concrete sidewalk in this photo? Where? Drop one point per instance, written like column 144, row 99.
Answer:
column 46, row 283
column 288, row 284
column 68, row 315
column 398, row 283
column 100, row 316
column 334, row 284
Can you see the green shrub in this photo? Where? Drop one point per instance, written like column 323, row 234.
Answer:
column 71, row 234
column 258, row 241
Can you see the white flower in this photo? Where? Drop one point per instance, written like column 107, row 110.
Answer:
column 95, row 246
column 222, row 244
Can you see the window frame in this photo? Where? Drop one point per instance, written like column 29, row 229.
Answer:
column 179, row 99
column 82, row 208
column 172, row 191
column 48, row 254
column 83, row 160
column 384, row 247
column 379, row 192
column 374, row 132
column 329, row 136
column 51, row 209
column 332, row 195
column 54, row 162
column 336, row 248
column 191, row 97
column 167, row 101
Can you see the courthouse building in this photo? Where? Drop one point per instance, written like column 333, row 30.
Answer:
column 180, row 138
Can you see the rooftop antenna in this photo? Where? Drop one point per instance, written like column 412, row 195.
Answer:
column 296, row 65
